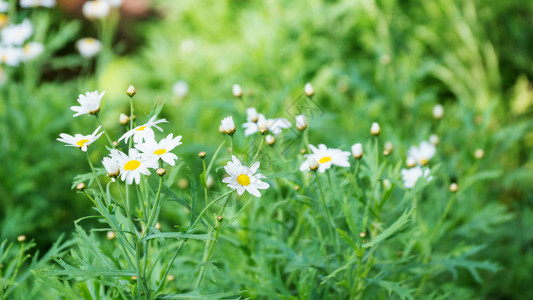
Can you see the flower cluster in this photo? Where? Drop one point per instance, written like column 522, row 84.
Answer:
column 14, row 45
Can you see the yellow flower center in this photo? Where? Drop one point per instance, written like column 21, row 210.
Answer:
column 132, row 165
column 80, row 143
column 324, row 159
column 243, row 180
column 424, row 161
column 160, row 151
column 140, row 128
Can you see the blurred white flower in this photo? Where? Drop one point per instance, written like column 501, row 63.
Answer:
column 228, row 126
column 357, row 150
column 36, row 3
column 326, row 158
column 143, row 132
column 4, row 6
column 270, row 140
column 180, row 89
column 32, row 50
column 423, row 153
column 114, row 3
column 411, row 176
column 111, row 166
column 410, row 162
column 301, row 122
column 88, row 47
column 237, row 91
column 275, row 126
column 251, row 114
column 434, row 139
column 162, row 149
column 123, row 119
column 97, row 9
column 17, row 34
column 11, row 56
column 438, row 111
column 89, row 104
column 242, row 178
column 375, row 129
column 134, row 164
column 79, row 140
column 309, row 90
column 312, row 163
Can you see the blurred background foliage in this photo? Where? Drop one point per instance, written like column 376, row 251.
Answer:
column 389, row 61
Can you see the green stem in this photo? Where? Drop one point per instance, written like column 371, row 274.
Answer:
column 328, row 215
column 258, row 149
column 96, row 177
column 155, row 208
column 163, row 279
column 208, row 251
column 207, row 207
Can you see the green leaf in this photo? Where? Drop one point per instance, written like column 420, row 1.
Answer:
column 178, row 235
column 391, row 230
column 196, row 295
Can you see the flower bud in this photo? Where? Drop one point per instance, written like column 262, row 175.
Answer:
column 270, row 140
column 454, row 187
column 123, row 119
column 170, row 277
column 375, row 129
column 479, row 153
column 438, row 111
column 313, row 163
column 388, row 147
column 80, row 186
column 183, row 183
column 157, row 226
column 357, row 151
column 301, row 122
column 115, row 144
column 386, row 152
column 387, row 184
column 309, row 90
column 303, row 151
column 237, row 91
column 296, row 187
column 111, row 235
column 21, row 238
column 220, row 218
column 434, row 139
column 161, row 172
column 210, row 181
column 202, row 154
column 410, row 162
column 131, row 91
column 134, row 278
column 228, row 126
column 362, row 234
column 252, row 115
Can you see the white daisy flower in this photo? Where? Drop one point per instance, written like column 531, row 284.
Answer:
column 180, row 89
column 11, row 56
column 309, row 90
column 162, row 149
column 37, row 3
column 228, row 126
column 79, row 140
column 251, row 114
column 88, row 47
column 134, row 164
column 4, row 6
column 242, row 178
column 143, row 132
column 357, row 150
column 112, row 167
column 438, row 111
column 423, row 153
column 32, row 50
column 411, row 176
column 90, row 104
column 275, row 126
column 17, row 34
column 97, row 9
column 237, row 91
column 326, row 158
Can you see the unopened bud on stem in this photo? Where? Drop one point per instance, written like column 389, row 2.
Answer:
column 309, row 90
column 375, row 129
column 161, row 172
column 81, row 186
column 131, row 91
column 202, row 154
